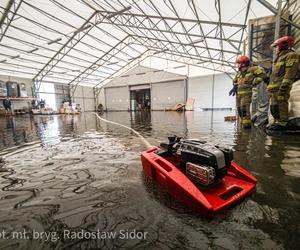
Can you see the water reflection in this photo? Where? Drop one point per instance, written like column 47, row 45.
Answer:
column 17, row 130
column 87, row 176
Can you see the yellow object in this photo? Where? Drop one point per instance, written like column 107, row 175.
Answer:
column 280, row 98
column 291, row 62
column 273, row 86
column 257, row 80
column 286, row 81
column 258, row 72
column 244, row 92
column 246, row 121
column 281, row 123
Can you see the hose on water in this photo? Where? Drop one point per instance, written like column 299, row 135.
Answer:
column 145, row 142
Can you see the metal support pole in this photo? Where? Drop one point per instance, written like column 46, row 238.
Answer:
column 274, row 10
column 212, row 102
column 213, row 92
column 277, row 25
column 290, row 26
column 98, row 63
column 96, row 98
column 77, row 36
column 8, row 16
column 251, row 43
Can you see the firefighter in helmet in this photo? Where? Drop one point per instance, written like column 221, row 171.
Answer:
column 283, row 75
column 247, row 77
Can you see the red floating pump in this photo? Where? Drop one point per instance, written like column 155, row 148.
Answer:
column 198, row 174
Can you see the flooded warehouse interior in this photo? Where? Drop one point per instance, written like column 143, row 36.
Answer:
column 148, row 124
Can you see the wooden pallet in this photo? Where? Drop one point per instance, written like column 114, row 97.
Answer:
column 230, row 118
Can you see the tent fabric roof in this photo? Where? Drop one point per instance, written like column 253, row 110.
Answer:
column 144, row 75
column 88, row 41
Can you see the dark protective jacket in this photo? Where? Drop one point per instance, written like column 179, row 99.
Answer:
column 285, row 70
column 246, row 80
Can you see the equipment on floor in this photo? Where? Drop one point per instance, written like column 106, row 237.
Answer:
column 198, row 173
column 292, row 128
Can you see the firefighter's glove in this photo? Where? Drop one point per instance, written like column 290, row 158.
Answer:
column 233, row 91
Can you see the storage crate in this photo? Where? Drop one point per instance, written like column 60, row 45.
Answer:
column 3, row 89
column 12, row 89
column 22, row 92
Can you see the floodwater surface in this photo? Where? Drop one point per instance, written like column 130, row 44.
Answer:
column 74, row 182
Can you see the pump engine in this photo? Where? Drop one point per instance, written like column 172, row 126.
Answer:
column 202, row 162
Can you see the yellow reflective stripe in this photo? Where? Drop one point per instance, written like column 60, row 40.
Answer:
column 286, row 81
column 248, row 74
column 244, row 92
column 273, row 85
column 257, row 80
column 279, row 63
column 246, row 121
column 281, row 123
column 247, row 87
column 280, row 98
column 258, row 71
column 291, row 62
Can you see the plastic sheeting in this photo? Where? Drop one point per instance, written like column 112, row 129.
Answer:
column 260, row 105
column 294, row 101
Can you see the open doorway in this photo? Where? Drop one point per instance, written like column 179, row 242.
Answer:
column 140, row 99
column 47, row 94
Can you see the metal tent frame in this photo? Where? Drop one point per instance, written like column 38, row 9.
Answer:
column 88, row 42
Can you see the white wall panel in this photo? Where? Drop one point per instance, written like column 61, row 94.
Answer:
column 201, row 89
column 167, row 94
column 85, row 97
column 117, row 98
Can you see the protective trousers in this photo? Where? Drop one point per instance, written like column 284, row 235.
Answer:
column 243, row 107
column 279, row 106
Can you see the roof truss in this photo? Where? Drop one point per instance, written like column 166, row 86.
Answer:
column 108, row 37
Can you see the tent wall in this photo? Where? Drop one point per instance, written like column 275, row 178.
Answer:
column 144, row 75
column 85, row 97
column 208, row 95
column 101, row 98
column 166, row 89
column 165, row 95
column 117, row 98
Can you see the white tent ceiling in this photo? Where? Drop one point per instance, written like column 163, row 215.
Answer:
column 88, row 42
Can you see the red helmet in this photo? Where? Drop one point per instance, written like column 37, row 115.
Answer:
column 243, row 61
column 285, row 42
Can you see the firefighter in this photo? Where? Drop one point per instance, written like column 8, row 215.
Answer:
column 283, row 75
column 7, row 106
column 247, row 77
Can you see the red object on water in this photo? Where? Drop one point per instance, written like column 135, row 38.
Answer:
column 236, row 185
